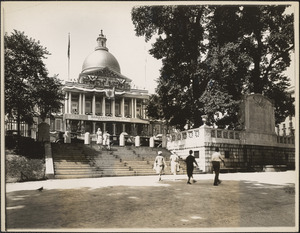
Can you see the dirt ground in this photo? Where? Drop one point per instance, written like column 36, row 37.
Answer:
column 167, row 205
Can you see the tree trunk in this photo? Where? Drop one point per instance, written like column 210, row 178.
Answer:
column 18, row 124
column 257, row 85
column 18, row 141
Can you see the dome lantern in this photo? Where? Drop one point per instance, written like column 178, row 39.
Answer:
column 101, row 40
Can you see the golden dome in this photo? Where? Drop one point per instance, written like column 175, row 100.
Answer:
column 100, row 58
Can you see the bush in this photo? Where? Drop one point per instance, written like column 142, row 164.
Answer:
column 25, row 146
column 10, row 142
column 19, row 168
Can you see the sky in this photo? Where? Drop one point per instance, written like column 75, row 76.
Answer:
column 51, row 22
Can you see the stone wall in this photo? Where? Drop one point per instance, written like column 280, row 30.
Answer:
column 243, row 151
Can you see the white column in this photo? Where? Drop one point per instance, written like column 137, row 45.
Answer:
column 80, row 104
column 83, row 103
column 70, row 102
column 123, row 127
column 113, row 107
column 94, row 105
column 66, row 103
column 104, row 126
column 103, row 106
column 142, row 110
column 123, row 107
column 132, row 108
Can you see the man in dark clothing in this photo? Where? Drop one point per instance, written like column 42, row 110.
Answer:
column 190, row 160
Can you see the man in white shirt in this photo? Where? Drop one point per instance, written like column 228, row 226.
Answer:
column 216, row 160
column 174, row 163
column 159, row 165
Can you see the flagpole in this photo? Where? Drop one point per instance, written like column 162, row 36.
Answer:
column 69, row 57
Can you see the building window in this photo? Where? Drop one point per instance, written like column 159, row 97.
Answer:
column 98, row 108
column 196, row 154
column 107, row 108
column 74, row 108
column 88, row 107
column 58, row 124
column 227, row 154
column 126, row 109
column 138, row 113
column 117, row 109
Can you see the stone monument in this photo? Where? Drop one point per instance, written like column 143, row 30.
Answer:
column 257, row 120
column 44, row 132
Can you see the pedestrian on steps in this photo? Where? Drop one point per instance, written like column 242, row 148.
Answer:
column 106, row 140
column 159, row 164
column 190, row 160
column 99, row 138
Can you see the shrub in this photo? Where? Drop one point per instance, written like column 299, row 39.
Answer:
column 25, row 146
column 19, row 168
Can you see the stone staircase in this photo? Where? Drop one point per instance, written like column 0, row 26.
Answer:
column 87, row 161
column 70, row 162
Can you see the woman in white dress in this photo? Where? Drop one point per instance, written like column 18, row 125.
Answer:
column 106, row 140
column 174, row 162
column 99, row 138
column 159, row 165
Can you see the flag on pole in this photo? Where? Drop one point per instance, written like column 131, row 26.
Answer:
column 69, row 57
column 69, row 46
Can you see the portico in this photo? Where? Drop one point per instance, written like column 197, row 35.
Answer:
column 103, row 98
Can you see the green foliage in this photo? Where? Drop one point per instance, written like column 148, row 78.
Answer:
column 213, row 55
column 48, row 95
column 19, row 168
column 153, row 108
column 179, row 45
column 26, row 79
column 26, row 147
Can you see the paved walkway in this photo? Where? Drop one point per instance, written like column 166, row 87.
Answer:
column 261, row 201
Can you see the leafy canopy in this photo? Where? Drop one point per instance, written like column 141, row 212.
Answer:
column 27, row 84
column 213, row 55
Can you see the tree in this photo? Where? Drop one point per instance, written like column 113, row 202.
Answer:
column 153, row 107
column 26, row 77
column 180, row 44
column 251, row 48
column 213, row 55
column 48, row 96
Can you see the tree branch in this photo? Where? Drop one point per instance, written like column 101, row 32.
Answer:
column 268, row 69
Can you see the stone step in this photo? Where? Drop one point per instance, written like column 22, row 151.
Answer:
column 88, row 161
column 69, row 155
column 71, row 165
column 68, row 176
column 114, row 170
column 78, row 161
column 75, row 172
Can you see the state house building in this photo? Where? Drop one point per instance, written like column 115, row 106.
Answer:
column 103, row 98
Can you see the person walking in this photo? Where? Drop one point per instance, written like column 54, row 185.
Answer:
column 106, row 140
column 216, row 160
column 108, row 143
column 159, row 164
column 174, row 163
column 190, row 160
column 99, row 138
